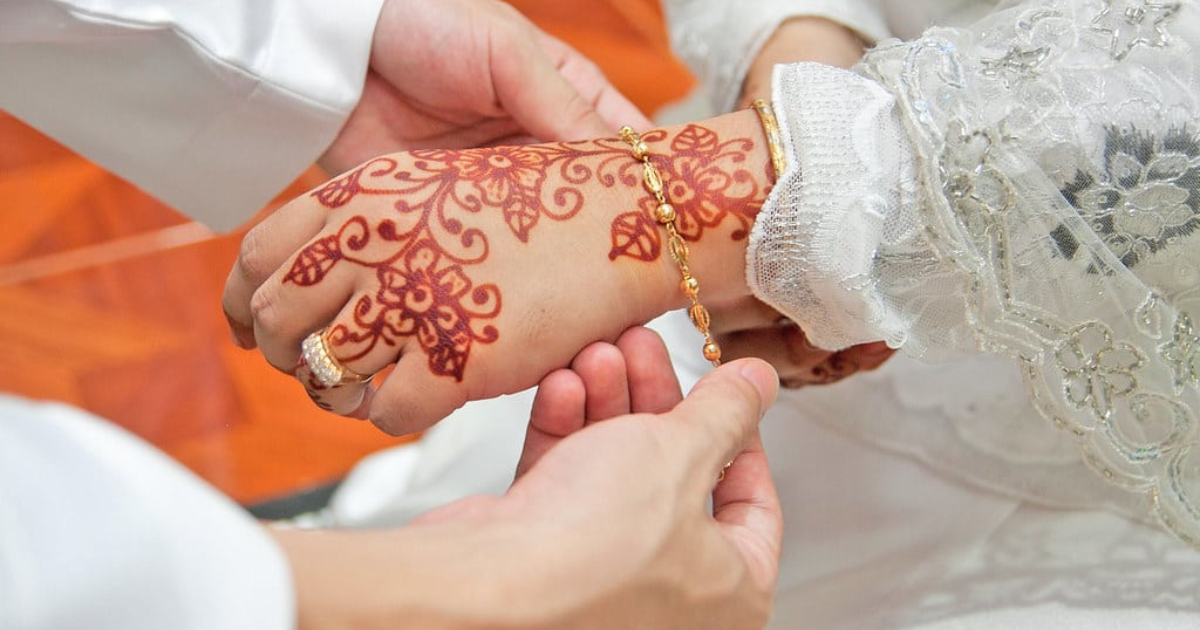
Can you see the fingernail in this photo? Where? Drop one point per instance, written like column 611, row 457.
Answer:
column 763, row 377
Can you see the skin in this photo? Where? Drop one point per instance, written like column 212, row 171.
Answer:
column 453, row 265
column 542, row 555
column 498, row 80
column 448, row 264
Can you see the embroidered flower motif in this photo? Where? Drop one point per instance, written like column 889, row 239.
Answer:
column 1095, row 370
column 1148, row 194
column 975, row 188
column 1182, row 353
column 1133, row 23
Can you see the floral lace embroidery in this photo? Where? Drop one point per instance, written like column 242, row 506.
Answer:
column 1147, row 196
column 990, row 113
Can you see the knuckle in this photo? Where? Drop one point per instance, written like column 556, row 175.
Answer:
column 384, row 417
column 252, row 262
column 264, row 309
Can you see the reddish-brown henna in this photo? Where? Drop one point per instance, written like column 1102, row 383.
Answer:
column 706, row 181
column 421, row 251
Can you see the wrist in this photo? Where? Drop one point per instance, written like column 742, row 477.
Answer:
column 801, row 39
column 716, row 175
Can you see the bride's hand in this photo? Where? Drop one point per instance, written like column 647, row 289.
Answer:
column 477, row 272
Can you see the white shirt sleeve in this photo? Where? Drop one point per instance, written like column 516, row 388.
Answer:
column 101, row 531
column 1027, row 186
column 212, row 106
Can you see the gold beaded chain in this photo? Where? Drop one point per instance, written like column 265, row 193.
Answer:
column 665, row 214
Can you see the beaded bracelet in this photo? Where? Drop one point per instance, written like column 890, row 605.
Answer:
column 665, row 215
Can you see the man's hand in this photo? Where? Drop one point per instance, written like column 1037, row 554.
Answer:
column 612, row 490
column 465, row 73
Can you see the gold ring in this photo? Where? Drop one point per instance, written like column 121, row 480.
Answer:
column 325, row 368
column 721, row 475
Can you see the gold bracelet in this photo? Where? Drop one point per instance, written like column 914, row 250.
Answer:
column 665, row 215
column 774, row 140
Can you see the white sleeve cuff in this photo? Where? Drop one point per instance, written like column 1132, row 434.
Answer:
column 814, row 243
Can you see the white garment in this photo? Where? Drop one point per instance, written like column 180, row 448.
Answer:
column 156, row 89
column 100, row 531
column 1026, row 186
column 873, row 540
column 213, row 106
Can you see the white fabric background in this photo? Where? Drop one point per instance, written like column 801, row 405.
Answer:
column 874, row 539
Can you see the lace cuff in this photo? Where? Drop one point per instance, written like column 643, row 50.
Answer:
column 814, row 244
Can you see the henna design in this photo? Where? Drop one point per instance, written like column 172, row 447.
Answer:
column 706, row 181
column 421, row 251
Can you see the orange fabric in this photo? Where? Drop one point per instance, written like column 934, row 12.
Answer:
column 111, row 301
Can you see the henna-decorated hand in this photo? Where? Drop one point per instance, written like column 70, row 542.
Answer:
column 746, row 327
column 466, row 73
column 478, row 272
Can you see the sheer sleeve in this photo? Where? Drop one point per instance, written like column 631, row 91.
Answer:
column 1030, row 187
column 719, row 38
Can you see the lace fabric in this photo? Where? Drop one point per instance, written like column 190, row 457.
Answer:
column 1045, row 210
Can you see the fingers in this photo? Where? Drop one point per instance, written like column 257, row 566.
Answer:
column 264, row 250
column 595, row 388
column 602, row 369
column 587, row 79
column 653, row 385
column 721, row 413
column 412, row 397
column 747, row 498
column 605, row 381
column 786, row 347
column 531, row 88
column 745, row 313
column 558, row 411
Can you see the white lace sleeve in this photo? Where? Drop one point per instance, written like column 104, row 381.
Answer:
column 719, row 38
column 1042, row 202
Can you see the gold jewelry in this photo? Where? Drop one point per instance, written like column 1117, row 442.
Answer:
column 721, row 475
column 774, row 140
column 325, row 367
column 665, row 214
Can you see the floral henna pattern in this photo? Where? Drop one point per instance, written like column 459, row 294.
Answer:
column 707, row 182
column 422, row 250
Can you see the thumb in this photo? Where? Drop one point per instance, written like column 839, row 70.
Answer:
column 720, row 415
column 532, row 89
